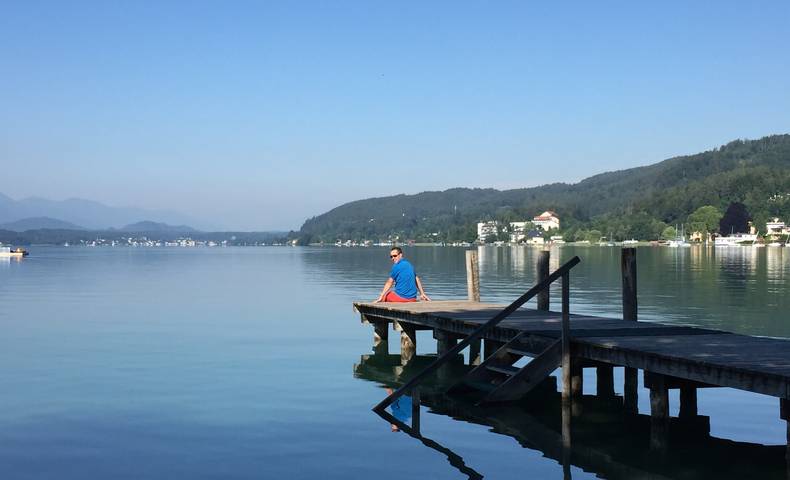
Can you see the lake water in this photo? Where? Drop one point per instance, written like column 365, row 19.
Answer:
column 167, row 363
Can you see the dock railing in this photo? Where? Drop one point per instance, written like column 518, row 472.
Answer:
column 562, row 272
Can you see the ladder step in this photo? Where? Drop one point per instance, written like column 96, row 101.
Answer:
column 518, row 351
column 506, row 369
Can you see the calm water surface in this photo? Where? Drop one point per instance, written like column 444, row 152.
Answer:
column 239, row 362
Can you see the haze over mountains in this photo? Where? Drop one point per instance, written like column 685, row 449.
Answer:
column 77, row 213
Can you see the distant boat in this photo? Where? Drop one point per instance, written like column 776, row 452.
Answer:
column 735, row 240
column 630, row 242
column 679, row 241
column 18, row 252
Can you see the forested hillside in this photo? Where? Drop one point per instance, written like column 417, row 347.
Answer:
column 634, row 203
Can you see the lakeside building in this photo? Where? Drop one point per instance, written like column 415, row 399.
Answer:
column 547, row 220
column 485, row 229
column 776, row 227
column 518, row 231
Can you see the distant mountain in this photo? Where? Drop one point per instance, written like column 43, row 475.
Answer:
column 149, row 226
column 92, row 215
column 754, row 172
column 36, row 223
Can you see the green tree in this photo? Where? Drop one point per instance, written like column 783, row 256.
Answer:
column 705, row 219
column 669, row 233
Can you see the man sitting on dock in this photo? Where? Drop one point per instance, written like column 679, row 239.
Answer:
column 406, row 282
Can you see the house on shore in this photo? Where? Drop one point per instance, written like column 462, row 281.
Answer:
column 547, row 220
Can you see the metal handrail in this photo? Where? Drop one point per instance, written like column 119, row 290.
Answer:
column 557, row 274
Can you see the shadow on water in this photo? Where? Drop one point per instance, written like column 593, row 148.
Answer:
column 606, row 440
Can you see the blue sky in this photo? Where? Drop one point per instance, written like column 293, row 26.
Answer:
column 257, row 115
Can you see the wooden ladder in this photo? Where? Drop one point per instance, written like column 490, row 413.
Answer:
column 525, row 376
column 502, row 381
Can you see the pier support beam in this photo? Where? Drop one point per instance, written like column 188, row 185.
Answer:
column 688, row 402
column 380, row 331
column 630, row 390
column 659, row 412
column 408, row 342
column 604, row 376
column 475, row 355
column 444, row 341
column 577, row 380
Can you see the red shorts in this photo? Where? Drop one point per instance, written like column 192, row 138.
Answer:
column 394, row 297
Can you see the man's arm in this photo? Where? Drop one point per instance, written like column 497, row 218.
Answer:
column 387, row 286
column 423, row 296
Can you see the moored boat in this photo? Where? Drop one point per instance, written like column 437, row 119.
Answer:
column 18, row 252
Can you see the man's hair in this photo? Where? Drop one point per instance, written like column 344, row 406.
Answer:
column 397, row 249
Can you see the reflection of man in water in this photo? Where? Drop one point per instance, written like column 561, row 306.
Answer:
column 403, row 284
column 401, row 409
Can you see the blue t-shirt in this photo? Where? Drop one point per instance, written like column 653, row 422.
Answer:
column 403, row 274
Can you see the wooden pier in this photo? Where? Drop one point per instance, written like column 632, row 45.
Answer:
column 498, row 336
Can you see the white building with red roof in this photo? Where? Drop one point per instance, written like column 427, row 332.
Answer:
column 547, row 220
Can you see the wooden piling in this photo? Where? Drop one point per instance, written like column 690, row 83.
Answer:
column 408, row 342
column 688, row 402
column 630, row 312
column 475, row 356
column 659, row 412
column 444, row 341
column 380, row 332
column 567, row 367
column 541, row 274
column 604, row 376
column 472, row 276
column 577, row 380
column 628, row 270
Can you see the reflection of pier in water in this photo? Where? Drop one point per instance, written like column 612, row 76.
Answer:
column 607, row 439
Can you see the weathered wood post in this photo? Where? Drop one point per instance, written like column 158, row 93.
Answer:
column 473, row 294
column 688, row 402
column 604, row 381
column 541, row 274
column 475, row 355
column 408, row 341
column 472, row 276
column 380, row 337
column 628, row 271
column 444, row 341
column 659, row 412
column 567, row 383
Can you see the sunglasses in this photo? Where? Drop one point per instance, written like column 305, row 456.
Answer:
column 393, row 256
